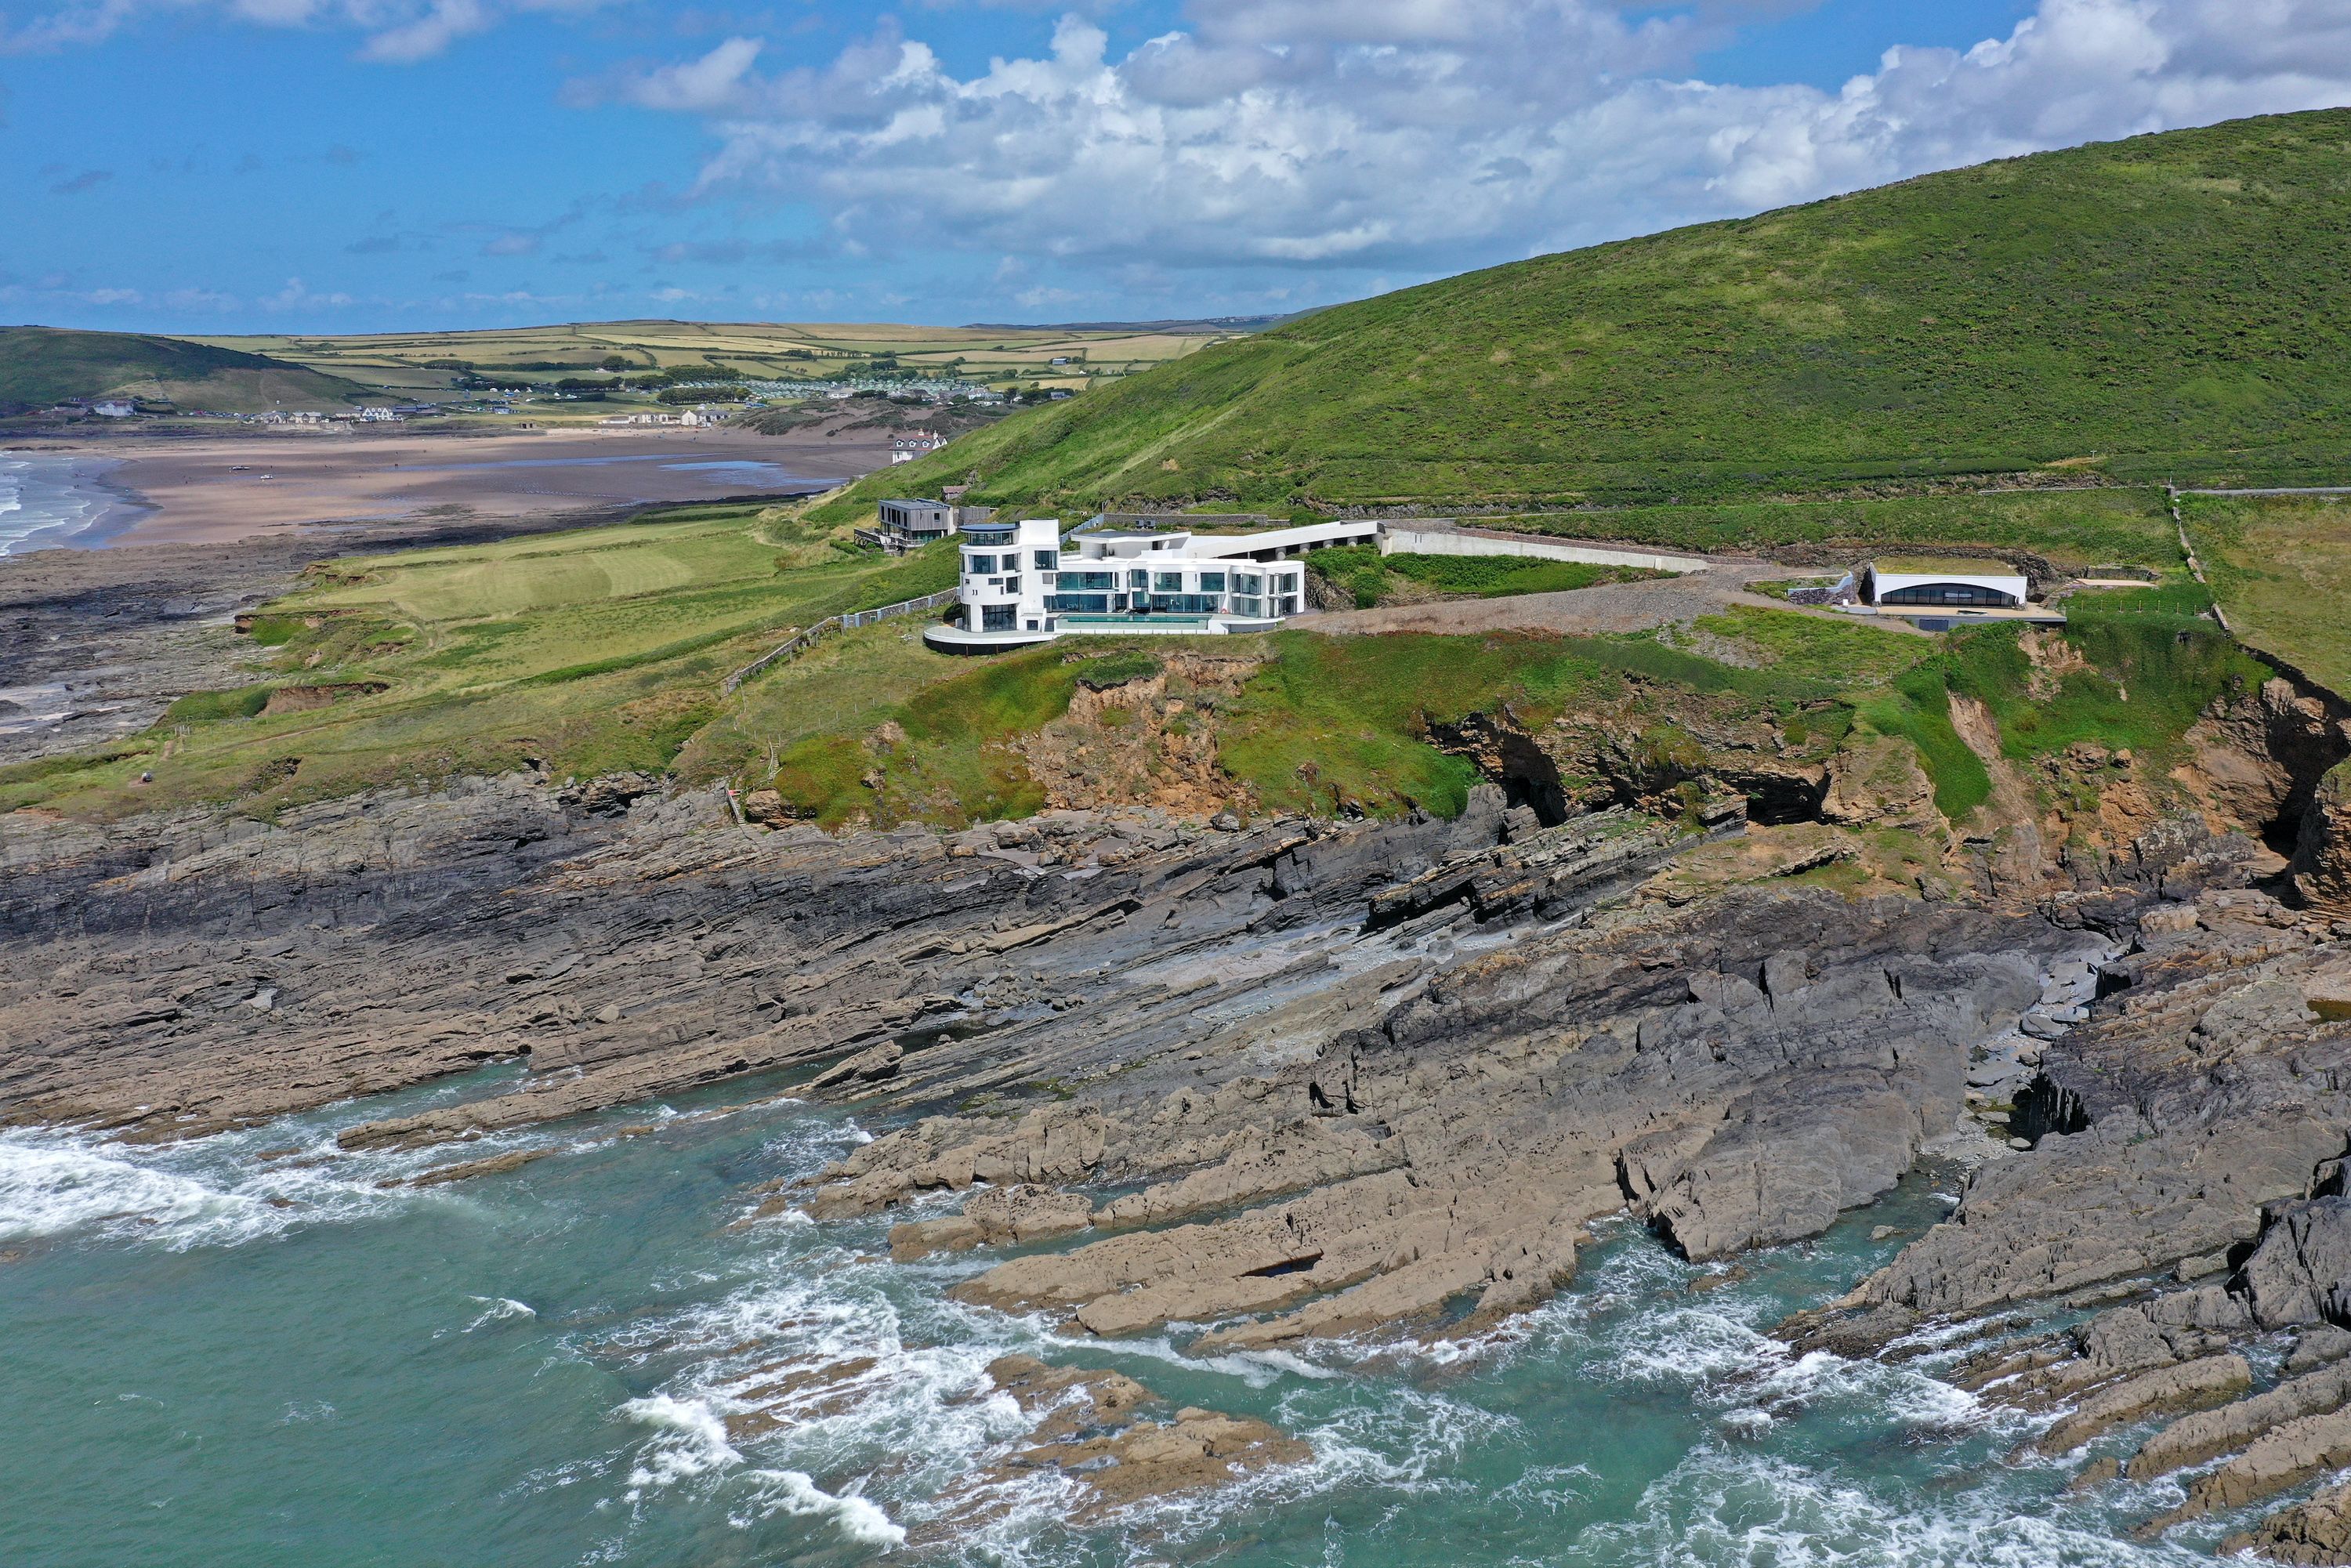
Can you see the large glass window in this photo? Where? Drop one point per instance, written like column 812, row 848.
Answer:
column 1011, row 585
column 1138, row 579
column 1079, row 603
column 1101, row 581
column 1168, row 582
column 1000, row 617
column 1285, row 607
column 1971, row 593
column 1248, row 583
column 1049, row 560
column 979, row 565
column 1184, row 603
column 1251, row 608
column 1212, row 582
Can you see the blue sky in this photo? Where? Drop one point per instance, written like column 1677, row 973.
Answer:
column 344, row 165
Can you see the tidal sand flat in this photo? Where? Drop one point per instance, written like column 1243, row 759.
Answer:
column 211, row 490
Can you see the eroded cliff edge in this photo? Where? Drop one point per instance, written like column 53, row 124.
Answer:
column 1299, row 1078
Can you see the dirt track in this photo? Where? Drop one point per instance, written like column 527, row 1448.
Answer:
column 1612, row 607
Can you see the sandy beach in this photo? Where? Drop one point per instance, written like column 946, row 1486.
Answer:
column 211, row 490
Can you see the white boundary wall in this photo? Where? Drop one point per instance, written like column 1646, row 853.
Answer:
column 1396, row 541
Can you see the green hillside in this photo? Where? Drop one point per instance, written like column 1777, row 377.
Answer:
column 39, row 365
column 2168, row 305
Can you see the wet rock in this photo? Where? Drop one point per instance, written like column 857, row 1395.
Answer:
column 2208, row 1434
column 1089, row 1430
column 2315, row 1531
column 867, row 1066
column 2148, row 1392
column 998, row 1217
column 2318, row 1346
column 495, row 1164
column 2284, row 1457
column 2301, row 1273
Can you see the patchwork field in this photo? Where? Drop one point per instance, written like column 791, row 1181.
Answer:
column 781, row 350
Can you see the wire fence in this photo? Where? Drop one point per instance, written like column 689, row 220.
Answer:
column 849, row 622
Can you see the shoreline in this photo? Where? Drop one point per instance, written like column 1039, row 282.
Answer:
column 119, row 508
column 215, row 490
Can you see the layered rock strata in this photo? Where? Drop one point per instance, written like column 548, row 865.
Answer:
column 2188, row 1131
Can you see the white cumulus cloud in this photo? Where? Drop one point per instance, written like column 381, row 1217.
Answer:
column 1438, row 134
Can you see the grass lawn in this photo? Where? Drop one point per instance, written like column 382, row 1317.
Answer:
column 604, row 649
column 2281, row 566
column 586, row 652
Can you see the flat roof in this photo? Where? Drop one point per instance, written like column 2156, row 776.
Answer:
column 911, row 503
column 1966, row 566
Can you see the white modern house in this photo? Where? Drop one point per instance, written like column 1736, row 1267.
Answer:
column 1023, row 583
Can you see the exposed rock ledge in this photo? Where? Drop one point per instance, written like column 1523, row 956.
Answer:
column 1347, row 1077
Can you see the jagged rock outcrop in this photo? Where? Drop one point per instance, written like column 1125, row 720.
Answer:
column 174, row 976
column 2315, row 1531
column 2322, row 852
column 1090, row 1429
column 1732, row 1091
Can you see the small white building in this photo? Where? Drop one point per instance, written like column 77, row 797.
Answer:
column 1936, row 582
column 1023, row 583
column 915, row 444
column 114, row 408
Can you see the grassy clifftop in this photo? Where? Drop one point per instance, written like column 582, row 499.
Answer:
column 2164, row 306
column 43, row 364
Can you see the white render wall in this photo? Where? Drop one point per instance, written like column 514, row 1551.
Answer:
column 1402, row 540
column 980, row 591
column 2016, row 586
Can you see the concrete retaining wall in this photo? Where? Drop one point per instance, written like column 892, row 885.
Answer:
column 1397, row 540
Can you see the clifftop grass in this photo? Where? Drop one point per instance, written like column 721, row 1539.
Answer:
column 2282, row 568
column 603, row 650
column 584, row 652
column 2163, row 306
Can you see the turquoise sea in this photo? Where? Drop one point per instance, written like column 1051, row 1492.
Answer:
column 247, row 1350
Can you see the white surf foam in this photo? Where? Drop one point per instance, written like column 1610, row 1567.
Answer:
column 498, row 1309
column 48, row 499
column 1728, row 1507
column 207, row 1192
column 789, row 1491
column 692, row 1441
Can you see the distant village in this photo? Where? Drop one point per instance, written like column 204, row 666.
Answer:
column 521, row 400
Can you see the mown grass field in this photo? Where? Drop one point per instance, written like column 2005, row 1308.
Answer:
column 2281, row 566
column 584, row 652
column 2165, row 306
